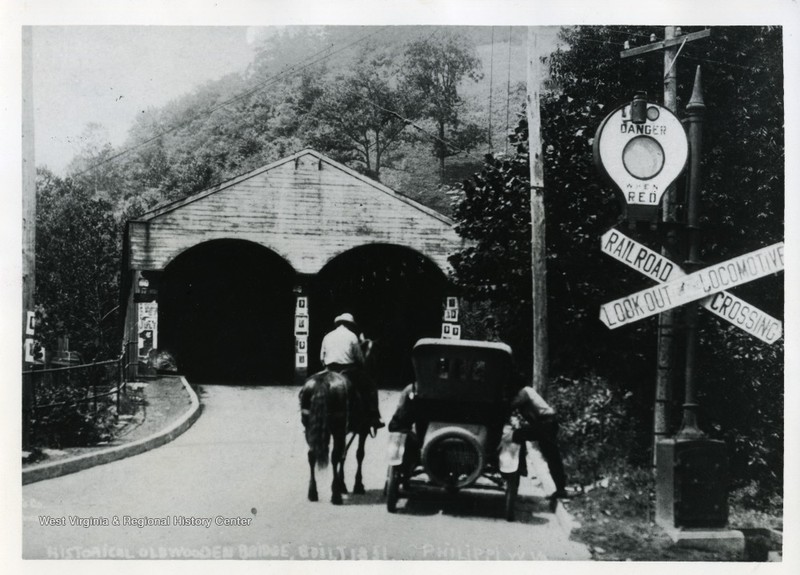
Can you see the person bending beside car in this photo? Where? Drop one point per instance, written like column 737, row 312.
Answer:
column 540, row 424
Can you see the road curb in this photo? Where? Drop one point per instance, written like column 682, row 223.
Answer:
column 58, row 468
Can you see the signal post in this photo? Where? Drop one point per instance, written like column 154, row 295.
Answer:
column 642, row 148
column 668, row 321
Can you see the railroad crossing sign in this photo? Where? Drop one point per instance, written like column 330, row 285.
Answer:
column 722, row 304
column 641, row 147
column 698, row 285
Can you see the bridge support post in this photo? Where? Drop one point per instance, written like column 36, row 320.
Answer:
column 142, row 325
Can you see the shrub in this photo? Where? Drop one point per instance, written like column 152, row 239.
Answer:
column 66, row 417
column 596, row 429
column 74, row 426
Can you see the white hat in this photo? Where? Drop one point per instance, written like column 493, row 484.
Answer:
column 345, row 317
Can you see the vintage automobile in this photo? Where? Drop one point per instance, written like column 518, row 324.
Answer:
column 451, row 429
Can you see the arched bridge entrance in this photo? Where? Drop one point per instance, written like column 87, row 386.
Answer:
column 226, row 312
column 396, row 296
column 241, row 282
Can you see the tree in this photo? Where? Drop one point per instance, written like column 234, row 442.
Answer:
column 360, row 116
column 494, row 214
column 742, row 207
column 326, row 87
column 94, row 165
column 434, row 68
column 149, row 166
column 288, row 49
column 77, row 267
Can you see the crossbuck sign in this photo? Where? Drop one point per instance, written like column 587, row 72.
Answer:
column 677, row 288
column 723, row 304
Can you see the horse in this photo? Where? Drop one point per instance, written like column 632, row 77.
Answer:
column 331, row 409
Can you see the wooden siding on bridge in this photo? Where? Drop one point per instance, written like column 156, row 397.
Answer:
column 306, row 208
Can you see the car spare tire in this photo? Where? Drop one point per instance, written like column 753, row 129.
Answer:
column 453, row 455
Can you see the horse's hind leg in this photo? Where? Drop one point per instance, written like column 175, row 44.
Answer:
column 338, row 469
column 337, row 457
column 340, row 475
column 312, row 482
column 358, row 488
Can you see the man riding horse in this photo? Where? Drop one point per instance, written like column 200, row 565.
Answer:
column 337, row 401
column 341, row 352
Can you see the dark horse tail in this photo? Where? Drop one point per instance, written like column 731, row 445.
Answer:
column 319, row 433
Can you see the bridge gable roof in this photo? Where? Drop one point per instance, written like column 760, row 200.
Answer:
column 307, row 208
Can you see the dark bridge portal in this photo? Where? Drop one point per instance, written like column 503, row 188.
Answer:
column 226, row 311
column 226, row 306
column 396, row 295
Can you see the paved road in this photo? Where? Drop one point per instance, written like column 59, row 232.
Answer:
column 244, row 463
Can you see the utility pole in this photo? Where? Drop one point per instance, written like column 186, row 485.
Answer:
column 491, row 88
column 28, row 225
column 691, row 471
column 667, row 345
column 667, row 356
column 28, row 179
column 538, row 265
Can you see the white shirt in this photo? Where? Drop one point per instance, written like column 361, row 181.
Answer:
column 341, row 346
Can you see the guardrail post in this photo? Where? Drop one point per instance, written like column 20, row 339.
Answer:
column 93, row 377
column 119, row 379
column 132, row 365
column 88, row 380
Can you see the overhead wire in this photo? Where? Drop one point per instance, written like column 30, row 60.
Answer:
column 314, row 59
column 411, row 123
column 286, row 71
column 685, row 55
column 406, row 120
column 508, row 88
column 708, row 60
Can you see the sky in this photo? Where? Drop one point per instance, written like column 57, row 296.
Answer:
column 109, row 74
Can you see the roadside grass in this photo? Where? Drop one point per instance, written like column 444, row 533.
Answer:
column 617, row 520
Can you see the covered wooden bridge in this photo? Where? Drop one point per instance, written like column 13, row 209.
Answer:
column 240, row 282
